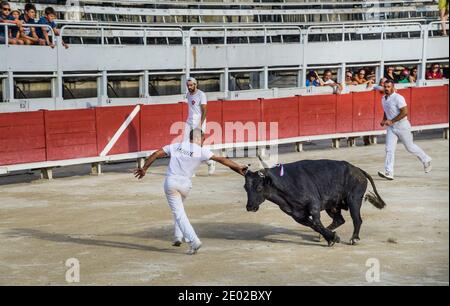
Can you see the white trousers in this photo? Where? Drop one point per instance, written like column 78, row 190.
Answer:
column 177, row 190
column 401, row 130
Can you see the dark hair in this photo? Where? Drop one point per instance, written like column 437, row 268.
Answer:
column 327, row 71
column 29, row 6
column 49, row 11
column 196, row 132
column 389, row 81
column 3, row 3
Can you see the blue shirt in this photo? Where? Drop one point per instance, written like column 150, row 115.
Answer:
column 2, row 26
column 44, row 20
column 313, row 83
column 14, row 29
column 27, row 30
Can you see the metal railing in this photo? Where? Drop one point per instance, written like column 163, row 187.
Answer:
column 7, row 26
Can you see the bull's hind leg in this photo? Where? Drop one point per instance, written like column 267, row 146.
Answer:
column 355, row 203
column 337, row 217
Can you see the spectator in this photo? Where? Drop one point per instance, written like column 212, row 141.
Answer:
column 404, row 77
column 391, row 75
column 42, row 32
column 16, row 30
column 413, row 75
column 443, row 13
column 349, row 78
column 311, row 79
column 6, row 18
column 29, row 35
column 434, row 73
column 360, row 77
column 328, row 81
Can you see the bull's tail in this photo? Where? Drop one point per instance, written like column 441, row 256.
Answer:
column 373, row 197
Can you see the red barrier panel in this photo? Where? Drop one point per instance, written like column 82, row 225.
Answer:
column 284, row 111
column 363, row 111
column 429, row 105
column 317, row 115
column 22, row 138
column 240, row 120
column 156, row 122
column 109, row 120
column 344, row 113
column 70, row 134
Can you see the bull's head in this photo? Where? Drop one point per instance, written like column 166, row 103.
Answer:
column 256, row 187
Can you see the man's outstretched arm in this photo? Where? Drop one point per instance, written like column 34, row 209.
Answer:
column 140, row 172
column 230, row 164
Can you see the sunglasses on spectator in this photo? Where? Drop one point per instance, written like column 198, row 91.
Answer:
column 6, row 9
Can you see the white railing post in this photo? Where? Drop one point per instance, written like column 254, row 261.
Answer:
column 423, row 65
column 187, row 47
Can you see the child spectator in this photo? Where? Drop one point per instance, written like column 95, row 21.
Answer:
column 404, row 77
column 29, row 35
column 311, row 79
column 434, row 73
column 16, row 30
column 42, row 32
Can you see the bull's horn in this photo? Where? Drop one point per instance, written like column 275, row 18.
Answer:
column 265, row 165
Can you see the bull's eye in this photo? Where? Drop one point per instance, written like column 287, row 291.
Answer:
column 259, row 188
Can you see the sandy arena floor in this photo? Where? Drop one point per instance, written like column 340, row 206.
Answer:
column 120, row 229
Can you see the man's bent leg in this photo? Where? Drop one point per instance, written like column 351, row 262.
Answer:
column 391, row 144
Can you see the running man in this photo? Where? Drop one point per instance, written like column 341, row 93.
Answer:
column 185, row 158
column 197, row 103
column 398, row 127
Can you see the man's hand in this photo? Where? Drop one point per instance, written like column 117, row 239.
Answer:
column 383, row 122
column 243, row 170
column 139, row 173
column 389, row 122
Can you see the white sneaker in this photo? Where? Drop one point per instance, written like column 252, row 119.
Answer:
column 211, row 167
column 194, row 247
column 427, row 167
column 386, row 175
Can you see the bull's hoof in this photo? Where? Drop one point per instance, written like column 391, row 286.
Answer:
column 320, row 238
column 354, row 240
column 335, row 240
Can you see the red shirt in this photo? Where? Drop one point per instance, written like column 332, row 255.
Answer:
column 434, row 76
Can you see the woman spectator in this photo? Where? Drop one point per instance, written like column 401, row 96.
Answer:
column 404, row 77
column 391, row 75
column 413, row 75
column 434, row 73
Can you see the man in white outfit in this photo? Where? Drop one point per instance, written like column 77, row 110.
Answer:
column 398, row 127
column 185, row 158
column 197, row 104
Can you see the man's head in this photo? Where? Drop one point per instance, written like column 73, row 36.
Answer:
column 348, row 75
column 197, row 136
column 6, row 8
column 50, row 13
column 255, row 186
column 389, row 87
column 30, row 10
column 191, row 84
column 327, row 74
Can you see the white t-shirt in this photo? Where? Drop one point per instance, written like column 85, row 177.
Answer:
column 392, row 105
column 329, row 82
column 195, row 110
column 185, row 158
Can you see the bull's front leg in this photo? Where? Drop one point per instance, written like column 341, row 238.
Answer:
column 330, row 236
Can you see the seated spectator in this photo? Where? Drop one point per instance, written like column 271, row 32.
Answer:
column 391, row 75
column 29, row 35
column 311, row 79
column 5, row 17
column 42, row 32
column 16, row 30
column 349, row 78
column 360, row 77
column 434, row 73
column 404, row 77
column 413, row 75
column 328, row 81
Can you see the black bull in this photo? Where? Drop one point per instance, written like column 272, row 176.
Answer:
column 303, row 189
